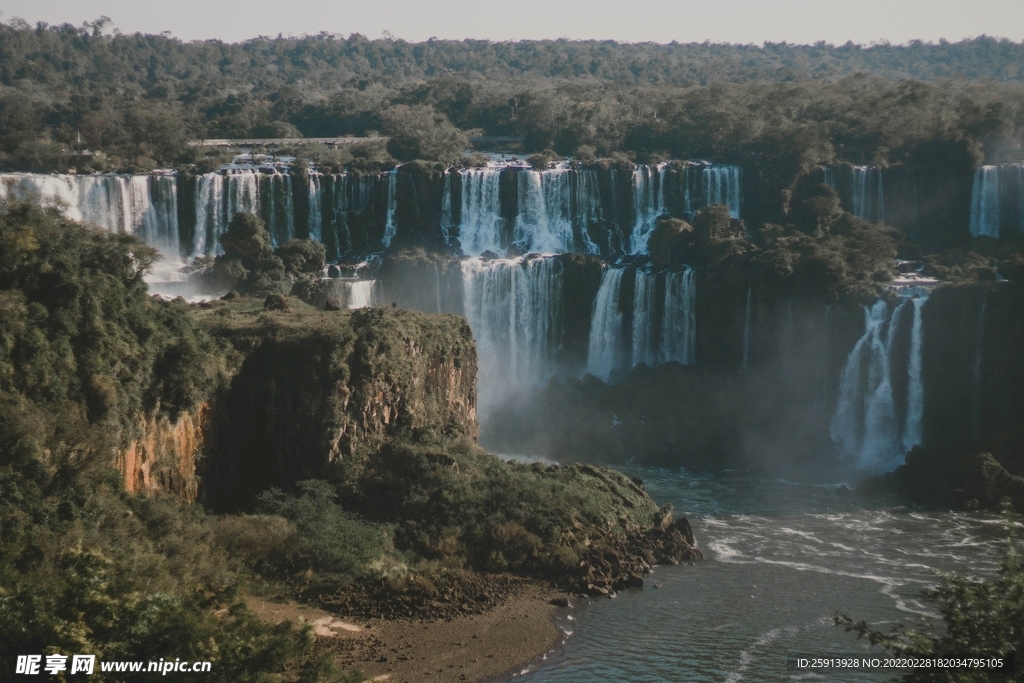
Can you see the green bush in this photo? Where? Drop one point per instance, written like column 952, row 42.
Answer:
column 331, row 541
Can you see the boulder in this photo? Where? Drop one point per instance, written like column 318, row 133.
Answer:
column 275, row 302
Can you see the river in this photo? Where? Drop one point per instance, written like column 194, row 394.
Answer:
column 781, row 558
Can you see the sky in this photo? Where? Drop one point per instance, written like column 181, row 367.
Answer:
column 732, row 21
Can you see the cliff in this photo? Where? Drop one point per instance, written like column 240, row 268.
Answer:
column 164, row 457
column 310, row 388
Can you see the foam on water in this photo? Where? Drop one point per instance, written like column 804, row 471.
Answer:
column 782, row 558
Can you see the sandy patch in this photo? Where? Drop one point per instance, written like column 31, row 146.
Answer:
column 471, row 649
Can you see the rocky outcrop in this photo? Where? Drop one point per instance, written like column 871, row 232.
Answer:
column 163, row 458
column 615, row 564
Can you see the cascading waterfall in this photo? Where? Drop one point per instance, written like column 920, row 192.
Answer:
column 866, row 422
column 209, row 193
column 868, row 196
column 865, row 419
column 707, row 184
column 663, row 328
column 915, row 388
column 361, row 293
column 722, row 186
column 142, row 205
column 446, row 207
column 829, row 176
column 514, row 309
column 218, row 197
column 679, row 321
column 644, row 302
column 154, row 211
column 279, row 208
column 985, row 202
column 648, row 203
column 605, row 351
column 481, row 225
column 390, row 228
column 314, row 224
column 555, row 209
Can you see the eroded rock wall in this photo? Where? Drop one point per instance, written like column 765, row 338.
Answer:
column 313, row 388
column 164, row 458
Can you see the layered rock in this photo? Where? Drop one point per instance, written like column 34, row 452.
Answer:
column 163, row 458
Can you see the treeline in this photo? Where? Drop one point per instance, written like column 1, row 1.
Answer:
column 140, row 98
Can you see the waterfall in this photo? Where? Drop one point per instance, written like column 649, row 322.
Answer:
column 880, row 205
column 361, row 293
column 554, row 207
column 868, row 199
column 860, row 191
column 648, row 203
column 343, row 186
column 644, row 303
column 679, row 322
column 985, row 202
column 514, row 309
column 663, row 329
column 865, row 419
column 481, row 225
column 722, row 186
column 746, row 330
column 243, row 194
column 446, row 208
column 915, row 388
column 314, row 224
column 605, row 351
column 707, row 184
column 828, row 176
column 152, row 207
column 209, row 193
column 279, row 212
column 141, row 205
column 390, row 229
column 218, row 197
column 866, row 422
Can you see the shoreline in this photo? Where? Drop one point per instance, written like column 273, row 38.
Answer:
column 469, row 649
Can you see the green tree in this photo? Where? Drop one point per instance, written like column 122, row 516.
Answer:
column 420, row 132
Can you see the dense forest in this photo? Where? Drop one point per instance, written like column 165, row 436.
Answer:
column 140, row 98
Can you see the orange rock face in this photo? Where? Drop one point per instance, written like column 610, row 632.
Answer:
column 163, row 459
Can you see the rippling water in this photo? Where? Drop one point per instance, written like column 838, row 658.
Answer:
column 782, row 558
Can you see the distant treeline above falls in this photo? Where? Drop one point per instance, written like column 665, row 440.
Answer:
column 137, row 100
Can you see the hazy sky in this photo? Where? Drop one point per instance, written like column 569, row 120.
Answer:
column 736, row 21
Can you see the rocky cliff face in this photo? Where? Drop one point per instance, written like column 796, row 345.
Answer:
column 312, row 388
column 163, row 459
